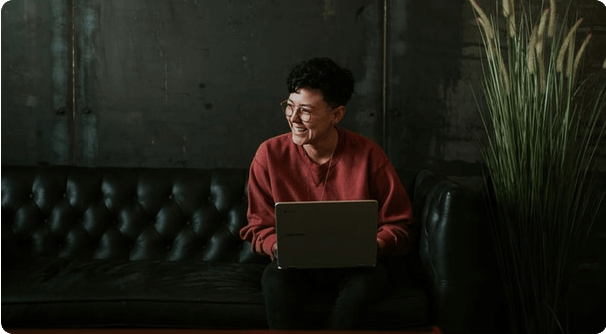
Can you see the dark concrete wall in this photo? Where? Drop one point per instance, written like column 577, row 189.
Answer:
column 172, row 83
column 35, row 82
column 196, row 83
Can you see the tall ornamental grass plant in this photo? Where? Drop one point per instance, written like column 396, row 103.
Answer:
column 544, row 121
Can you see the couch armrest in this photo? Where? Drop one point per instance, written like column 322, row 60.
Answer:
column 453, row 240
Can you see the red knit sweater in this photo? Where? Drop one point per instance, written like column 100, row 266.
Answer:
column 281, row 171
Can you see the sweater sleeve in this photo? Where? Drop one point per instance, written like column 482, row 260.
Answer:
column 260, row 231
column 395, row 211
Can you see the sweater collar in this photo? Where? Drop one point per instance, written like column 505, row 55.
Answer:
column 318, row 172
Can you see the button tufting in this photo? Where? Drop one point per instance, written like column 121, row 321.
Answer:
column 31, row 195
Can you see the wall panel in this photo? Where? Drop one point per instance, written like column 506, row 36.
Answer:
column 198, row 83
column 36, row 103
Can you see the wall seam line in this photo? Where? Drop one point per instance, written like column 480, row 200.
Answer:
column 74, row 154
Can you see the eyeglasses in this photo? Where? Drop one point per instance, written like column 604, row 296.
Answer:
column 290, row 108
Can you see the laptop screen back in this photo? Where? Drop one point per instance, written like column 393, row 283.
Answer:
column 327, row 234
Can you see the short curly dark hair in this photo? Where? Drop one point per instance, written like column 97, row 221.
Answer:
column 335, row 83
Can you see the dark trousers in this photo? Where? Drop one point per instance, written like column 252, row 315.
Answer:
column 288, row 291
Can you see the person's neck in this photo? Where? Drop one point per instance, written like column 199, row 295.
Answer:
column 322, row 152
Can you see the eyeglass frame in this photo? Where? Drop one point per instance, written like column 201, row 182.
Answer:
column 284, row 105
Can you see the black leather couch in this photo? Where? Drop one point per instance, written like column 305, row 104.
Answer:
column 135, row 247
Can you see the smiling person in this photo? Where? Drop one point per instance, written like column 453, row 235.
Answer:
column 315, row 161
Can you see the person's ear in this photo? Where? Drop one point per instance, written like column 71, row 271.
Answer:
column 338, row 114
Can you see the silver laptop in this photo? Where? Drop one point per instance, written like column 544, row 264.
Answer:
column 327, row 234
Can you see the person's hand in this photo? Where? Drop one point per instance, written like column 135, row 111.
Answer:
column 380, row 247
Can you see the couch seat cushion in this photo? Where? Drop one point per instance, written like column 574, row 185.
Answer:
column 124, row 293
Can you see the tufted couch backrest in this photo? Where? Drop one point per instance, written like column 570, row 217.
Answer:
column 124, row 213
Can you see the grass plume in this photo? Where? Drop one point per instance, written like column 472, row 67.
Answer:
column 552, row 19
column 564, row 47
